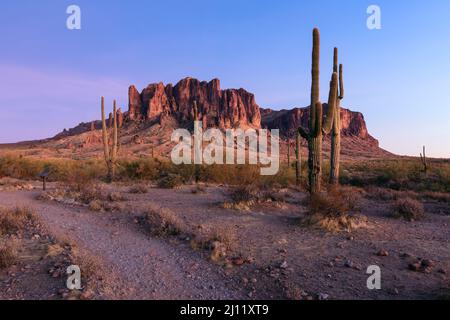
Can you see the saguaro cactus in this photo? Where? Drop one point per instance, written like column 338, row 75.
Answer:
column 289, row 153
column 196, row 166
column 317, row 127
column 336, row 131
column 110, row 151
column 298, row 164
column 423, row 159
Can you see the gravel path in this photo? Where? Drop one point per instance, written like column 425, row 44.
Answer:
column 148, row 268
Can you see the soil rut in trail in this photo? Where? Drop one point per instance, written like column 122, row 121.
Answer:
column 150, row 268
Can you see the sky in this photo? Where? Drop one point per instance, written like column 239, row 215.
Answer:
column 52, row 78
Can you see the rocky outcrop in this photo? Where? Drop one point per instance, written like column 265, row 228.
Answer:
column 171, row 106
column 218, row 108
column 288, row 121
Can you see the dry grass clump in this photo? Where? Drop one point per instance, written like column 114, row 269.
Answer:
column 14, row 220
column 91, row 267
column 11, row 184
column 385, row 194
column 407, row 208
column 90, row 195
column 244, row 197
column 436, row 196
column 170, row 181
column 219, row 239
column 335, row 211
column 106, row 206
column 162, row 221
column 138, row 189
column 8, row 255
column 116, row 196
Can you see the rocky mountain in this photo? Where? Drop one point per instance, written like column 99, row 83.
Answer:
column 353, row 123
column 220, row 108
column 155, row 111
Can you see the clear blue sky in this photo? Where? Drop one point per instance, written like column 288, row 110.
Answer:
column 399, row 76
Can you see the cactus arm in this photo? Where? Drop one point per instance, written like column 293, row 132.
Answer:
column 341, row 82
column 315, row 84
column 332, row 99
column 115, row 136
column 303, row 132
column 335, row 60
column 104, row 132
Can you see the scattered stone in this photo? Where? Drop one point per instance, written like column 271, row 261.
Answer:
column 426, row 263
column 238, row 261
column 322, row 296
column 383, row 253
column 415, row 267
column 349, row 264
column 87, row 295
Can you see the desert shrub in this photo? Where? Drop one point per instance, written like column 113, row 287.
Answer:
column 163, row 221
column 384, row 194
column 220, row 240
column 335, row 211
column 73, row 171
column 407, row 208
column 8, row 255
column 336, row 202
column 170, row 181
column 437, row 196
column 14, row 220
column 102, row 206
column 140, row 169
column 91, row 267
column 116, row 196
column 138, row 189
column 398, row 174
column 243, row 197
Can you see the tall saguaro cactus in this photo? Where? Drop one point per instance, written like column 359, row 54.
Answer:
column 298, row 164
column 317, row 126
column 110, row 152
column 336, row 131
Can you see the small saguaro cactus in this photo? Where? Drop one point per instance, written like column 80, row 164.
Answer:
column 423, row 159
column 317, row 126
column 289, row 152
column 335, row 156
column 196, row 166
column 298, row 164
column 110, row 151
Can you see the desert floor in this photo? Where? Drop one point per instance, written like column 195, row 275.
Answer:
column 272, row 256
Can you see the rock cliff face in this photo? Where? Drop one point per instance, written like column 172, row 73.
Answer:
column 221, row 108
column 353, row 123
column 172, row 107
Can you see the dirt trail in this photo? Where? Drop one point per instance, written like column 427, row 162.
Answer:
column 148, row 268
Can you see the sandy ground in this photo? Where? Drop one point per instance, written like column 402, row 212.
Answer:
column 288, row 261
